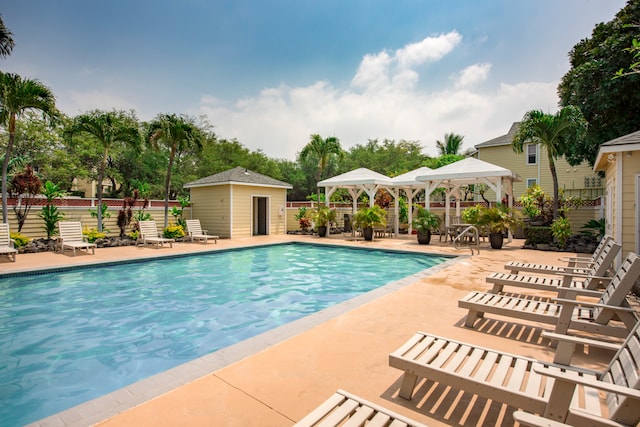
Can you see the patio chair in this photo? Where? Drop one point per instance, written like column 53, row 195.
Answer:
column 592, row 317
column 71, row 237
column 344, row 408
column 561, row 393
column 594, row 276
column 149, row 234
column 6, row 243
column 195, row 232
column 582, row 265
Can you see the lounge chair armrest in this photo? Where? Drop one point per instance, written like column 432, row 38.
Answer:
column 531, row 420
column 581, row 340
column 571, row 375
column 12, row 243
column 581, row 260
column 605, row 279
column 204, row 231
column 564, row 301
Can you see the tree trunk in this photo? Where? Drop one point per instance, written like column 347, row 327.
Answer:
column 167, row 186
column 554, row 179
column 103, row 166
column 5, row 166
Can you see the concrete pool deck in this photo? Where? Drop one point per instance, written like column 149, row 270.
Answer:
column 276, row 379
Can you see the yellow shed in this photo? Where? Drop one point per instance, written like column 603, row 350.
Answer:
column 239, row 203
column 619, row 159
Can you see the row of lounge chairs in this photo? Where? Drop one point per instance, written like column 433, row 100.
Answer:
column 71, row 237
column 545, row 393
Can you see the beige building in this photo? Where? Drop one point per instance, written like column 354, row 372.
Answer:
column 239, row 203
column 533, row 167
column 619, row 159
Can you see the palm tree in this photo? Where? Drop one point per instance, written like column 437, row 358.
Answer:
column 555, row 132
column 322, row 149
column 451, row 145
column 6, row 40
column 18, row 95
column 108, row 128
column 177, row 134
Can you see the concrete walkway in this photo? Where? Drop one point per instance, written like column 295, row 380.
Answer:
column 277, row 378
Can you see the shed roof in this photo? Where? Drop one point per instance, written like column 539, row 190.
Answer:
column 238, row 175
column 628, row 142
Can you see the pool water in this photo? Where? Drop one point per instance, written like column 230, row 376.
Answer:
column 71, row 336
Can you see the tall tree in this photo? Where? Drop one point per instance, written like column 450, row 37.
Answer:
column 323, row 150
column 610, row 105
column 6, row 40
column 177, row 134
column 18, row 95
column 554, row 132
column 107, row 128
column 451, row 145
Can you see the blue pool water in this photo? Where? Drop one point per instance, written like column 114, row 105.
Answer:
column 70, row 336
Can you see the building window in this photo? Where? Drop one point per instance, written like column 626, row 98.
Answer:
column 532, row 154
column 531, row 182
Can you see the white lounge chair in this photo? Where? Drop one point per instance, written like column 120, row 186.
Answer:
column 559, row 392
column 593, row 277
column 195, row 232
column 149, row 234
column 6, row 243
column 71, row 237
column 582, row 265
column 566, row 314
column 343, row 409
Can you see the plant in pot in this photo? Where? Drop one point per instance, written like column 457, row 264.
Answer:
column 497, row 220
column 368, row 218
column 322, row 218
column 423, row 223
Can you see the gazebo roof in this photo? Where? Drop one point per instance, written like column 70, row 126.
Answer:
column 356, row 177
column 409, row 179
column 468, row 171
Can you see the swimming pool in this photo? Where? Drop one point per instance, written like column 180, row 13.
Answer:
column 72, row 335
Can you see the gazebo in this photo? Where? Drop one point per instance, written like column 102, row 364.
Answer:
column 467, row 172
column 408, row 183
column 356, row 182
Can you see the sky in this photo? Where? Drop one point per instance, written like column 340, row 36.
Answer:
column 270, row 73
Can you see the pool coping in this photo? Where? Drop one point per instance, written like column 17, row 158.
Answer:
column 118, row 401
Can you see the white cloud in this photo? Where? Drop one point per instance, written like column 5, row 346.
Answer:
column 383, row 101
column 80, row 102
column 472, row 75
column 429, row 49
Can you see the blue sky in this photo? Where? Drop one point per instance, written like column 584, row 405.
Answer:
column 272, row 72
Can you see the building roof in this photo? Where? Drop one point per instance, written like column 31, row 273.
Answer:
column 629, row 142
column 501, row 140
column 238, row 175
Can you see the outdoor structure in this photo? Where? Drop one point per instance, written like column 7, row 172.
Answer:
column 363, row 180
column 533, row 166
column 469, row 171
column 239, row 203
column 619, row 159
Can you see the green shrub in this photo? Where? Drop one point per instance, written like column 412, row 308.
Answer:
column 537, row 234
column 19, row 239
column 134, row 234
column 173, row 232
column 93, row 234
column 561, row 229
column 471, row 214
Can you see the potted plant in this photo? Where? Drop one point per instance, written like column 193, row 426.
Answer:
column 322, row 217
column 368, row 218
column 497, row 220
column 423, row 223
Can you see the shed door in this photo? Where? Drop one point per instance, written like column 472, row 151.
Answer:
column 260, row 219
